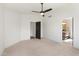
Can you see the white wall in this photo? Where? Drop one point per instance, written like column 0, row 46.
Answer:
column 25, row 28
column 52, row 28
column 76, row 25
column 53, row 25
column 1, row 30
column 12, row 27
column 33, row 29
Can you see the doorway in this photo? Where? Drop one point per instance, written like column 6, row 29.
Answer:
column 35, row 30
column 67, row 30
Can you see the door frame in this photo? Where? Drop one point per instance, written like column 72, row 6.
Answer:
column 35, row 28
column 72, row 29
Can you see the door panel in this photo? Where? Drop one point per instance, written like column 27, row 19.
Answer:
column 38, row 30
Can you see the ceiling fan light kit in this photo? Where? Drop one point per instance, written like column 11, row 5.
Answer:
column 42, row 12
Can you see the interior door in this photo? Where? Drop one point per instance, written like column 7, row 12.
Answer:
column 38, row 30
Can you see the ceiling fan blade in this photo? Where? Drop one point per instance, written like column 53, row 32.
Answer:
column 47, row 10
column 36, row 11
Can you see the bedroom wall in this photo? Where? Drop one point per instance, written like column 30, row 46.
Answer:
column 32, row 29
column 25, row 28
column 1, row 30
column 12, row 27
column 76, row 23
column 53, row 24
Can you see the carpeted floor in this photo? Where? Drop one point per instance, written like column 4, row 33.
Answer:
column 40, row 48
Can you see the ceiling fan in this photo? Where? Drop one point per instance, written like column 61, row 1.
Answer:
column 42, row 12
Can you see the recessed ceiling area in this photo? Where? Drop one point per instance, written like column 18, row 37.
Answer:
column 29, row 7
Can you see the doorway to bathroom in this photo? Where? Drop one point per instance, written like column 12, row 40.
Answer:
column 67, row 30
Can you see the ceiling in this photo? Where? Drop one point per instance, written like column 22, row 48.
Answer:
column 29, row 7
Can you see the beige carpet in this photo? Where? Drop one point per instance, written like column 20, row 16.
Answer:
column 40, row 48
